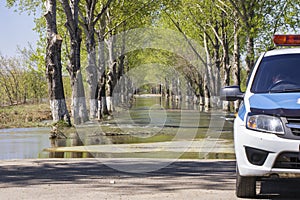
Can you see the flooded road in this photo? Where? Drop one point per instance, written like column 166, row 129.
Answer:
column 146, row 122
column 23, row 143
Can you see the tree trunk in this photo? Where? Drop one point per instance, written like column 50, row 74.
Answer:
column 92, row 75
column 54, row 67
column 218, row 67
column 111, row 74
column 250, row 54
column 236, row 59
column 122, row 79
column 79, row 110
column 206, row 78
column 102, row 106
column 250, row 41
column 226, row 61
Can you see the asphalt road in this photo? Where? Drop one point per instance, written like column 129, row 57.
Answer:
column 129, row 179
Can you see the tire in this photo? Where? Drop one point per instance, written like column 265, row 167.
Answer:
column 245, row 186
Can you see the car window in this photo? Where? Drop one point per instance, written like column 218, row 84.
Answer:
column 279, row 73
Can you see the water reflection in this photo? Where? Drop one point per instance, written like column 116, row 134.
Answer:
column 72, row 139
column 167, row 102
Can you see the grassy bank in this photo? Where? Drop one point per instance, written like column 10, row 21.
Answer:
column 26, row 115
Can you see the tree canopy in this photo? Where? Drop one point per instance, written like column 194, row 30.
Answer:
column 231, row 34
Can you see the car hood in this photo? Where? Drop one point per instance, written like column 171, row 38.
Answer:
column 282, row 104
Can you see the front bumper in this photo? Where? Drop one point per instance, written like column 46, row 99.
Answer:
column 266, row 142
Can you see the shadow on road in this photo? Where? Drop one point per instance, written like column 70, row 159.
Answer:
column 284, row 189
column 177, row 175
column 99, row 175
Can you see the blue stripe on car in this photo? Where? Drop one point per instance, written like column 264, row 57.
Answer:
column 242, row 111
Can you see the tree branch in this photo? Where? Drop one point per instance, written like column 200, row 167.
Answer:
column 201, row 26
column 243, row 17
column 133, row 14
column 70, row 20
column 278, row 17
column 186, row 38
column 102, row 11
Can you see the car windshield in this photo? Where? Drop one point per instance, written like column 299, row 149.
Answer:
column 279, row 73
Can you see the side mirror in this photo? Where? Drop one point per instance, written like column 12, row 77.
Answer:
column 231, row 93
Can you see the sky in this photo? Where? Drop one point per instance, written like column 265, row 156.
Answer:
column 15, row 30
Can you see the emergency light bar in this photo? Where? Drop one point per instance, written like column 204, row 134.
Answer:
column 286, row 40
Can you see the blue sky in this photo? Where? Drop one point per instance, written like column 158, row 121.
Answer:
column 16, row 30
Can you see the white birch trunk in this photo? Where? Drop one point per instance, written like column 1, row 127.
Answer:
column 93, row 108
column 109, row 103
column 58, row 109
column 79, row 111
column 99, row 113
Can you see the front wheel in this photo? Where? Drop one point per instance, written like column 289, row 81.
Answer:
column 245, row 186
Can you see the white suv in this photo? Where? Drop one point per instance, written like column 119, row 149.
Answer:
column 267, row 126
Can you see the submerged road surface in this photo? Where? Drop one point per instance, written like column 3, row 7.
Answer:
column 129, row 179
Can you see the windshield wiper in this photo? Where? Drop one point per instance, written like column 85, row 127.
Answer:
column 285, row 90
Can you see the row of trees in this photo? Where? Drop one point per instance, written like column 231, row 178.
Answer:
column 219, row 42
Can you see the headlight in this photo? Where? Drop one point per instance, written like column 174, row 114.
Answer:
column 265, row 123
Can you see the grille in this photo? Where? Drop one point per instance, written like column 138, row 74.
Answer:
column 294, row 125
column 288, row 160
column 296, row 131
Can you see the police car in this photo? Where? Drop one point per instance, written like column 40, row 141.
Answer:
column 267, row 126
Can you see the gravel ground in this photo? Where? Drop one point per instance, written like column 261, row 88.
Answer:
column 128, row 179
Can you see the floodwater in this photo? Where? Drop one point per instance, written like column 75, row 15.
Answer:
column 22, row 143
column 149, row 120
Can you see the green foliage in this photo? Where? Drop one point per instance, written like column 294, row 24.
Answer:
column 29, row 6
column 61, row 124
